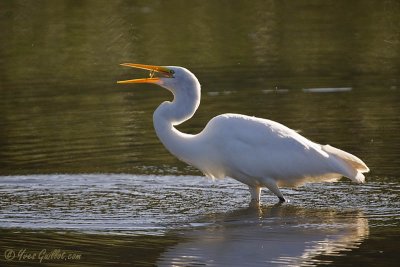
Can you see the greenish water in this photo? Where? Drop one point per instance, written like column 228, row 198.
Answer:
column 82, row 170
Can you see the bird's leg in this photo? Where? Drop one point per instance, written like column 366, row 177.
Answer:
column 271, row 185
column 255, row 194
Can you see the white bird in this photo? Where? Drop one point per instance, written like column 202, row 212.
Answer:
column 257, row 152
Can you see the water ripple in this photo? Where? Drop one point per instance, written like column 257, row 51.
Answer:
column 120, row 202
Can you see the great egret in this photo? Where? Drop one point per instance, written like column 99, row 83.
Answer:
column 257, row 152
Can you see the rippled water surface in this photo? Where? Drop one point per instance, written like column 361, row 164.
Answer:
column 83, row 173
column 188, row 220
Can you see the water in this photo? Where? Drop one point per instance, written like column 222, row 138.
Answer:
column 145, row 219
column 82, row 170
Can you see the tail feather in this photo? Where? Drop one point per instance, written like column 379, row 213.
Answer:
column 359, row 178
column 354, row 167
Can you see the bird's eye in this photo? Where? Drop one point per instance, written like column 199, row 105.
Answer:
column 171, row 71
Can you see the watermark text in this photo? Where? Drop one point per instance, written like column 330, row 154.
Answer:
column 42, row 255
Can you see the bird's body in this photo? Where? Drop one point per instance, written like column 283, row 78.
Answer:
column 230, row 138
column 257, row 152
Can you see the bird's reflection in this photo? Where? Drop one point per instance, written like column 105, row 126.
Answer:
column 274, row 235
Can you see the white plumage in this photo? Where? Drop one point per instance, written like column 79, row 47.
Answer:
column 257, row 152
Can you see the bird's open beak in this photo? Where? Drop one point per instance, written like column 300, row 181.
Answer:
column 165, row 72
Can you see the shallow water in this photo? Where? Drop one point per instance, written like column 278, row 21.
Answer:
column 83, row 172
column 188, row 220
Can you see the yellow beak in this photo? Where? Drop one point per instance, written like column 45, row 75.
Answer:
column 163, row 70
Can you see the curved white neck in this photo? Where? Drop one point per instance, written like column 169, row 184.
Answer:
column 185, row 103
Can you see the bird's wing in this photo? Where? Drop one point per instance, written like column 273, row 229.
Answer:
column 258, row 147
column 258, row 133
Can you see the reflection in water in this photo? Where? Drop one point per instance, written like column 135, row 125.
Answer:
column 277, row 235
column 327, row 90
column 181, row 219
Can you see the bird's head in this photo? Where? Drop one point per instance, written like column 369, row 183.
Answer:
column 170, row 77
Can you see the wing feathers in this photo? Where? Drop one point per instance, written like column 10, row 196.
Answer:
column 350, row 159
